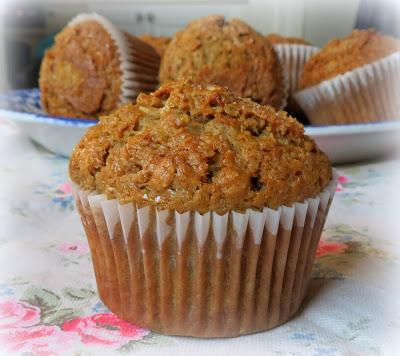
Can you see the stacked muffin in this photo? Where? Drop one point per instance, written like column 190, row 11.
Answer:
column 354, row 79
column 211, row 50
column 93, row 68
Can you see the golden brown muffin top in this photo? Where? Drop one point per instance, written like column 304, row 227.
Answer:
column 189, row 147
column 275, row 38
column 338, row 56
column 159, row 43
column 211, row 50
column 80, row 75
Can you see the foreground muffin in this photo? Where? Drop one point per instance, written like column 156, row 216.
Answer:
column 159, row 43
column 93, row 67
column 211, row 50
column 275, row 38
column 353, row 79
column 203, row 210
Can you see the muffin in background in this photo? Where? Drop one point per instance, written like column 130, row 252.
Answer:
column 354, row 79
column 203, row 210
column 339, row 56
column 210, row 50
column 159, row 43
column 275, row 38
column 93, row 67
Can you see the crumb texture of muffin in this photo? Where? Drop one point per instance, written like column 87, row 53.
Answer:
column 275, row 38
column 159, row 43
column 338, row 56
column 189, row 147
column 80, row 75
column 211, row 50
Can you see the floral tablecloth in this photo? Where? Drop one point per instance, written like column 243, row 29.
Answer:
column 48, row 299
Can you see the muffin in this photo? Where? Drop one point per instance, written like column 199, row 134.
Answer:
column 211, row 50
column 275, row 39
column 354, row 79
column 93, row 67
column 202, row 210
column 159, row 43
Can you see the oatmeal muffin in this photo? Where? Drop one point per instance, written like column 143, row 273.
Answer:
column 353, row 79
column 339, row 56
column 181, row 190
column 93, row 67
column 159, row 43
column 211, row 50
column 275, row 39
column 212, row 152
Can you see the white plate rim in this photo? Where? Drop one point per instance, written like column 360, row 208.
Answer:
column 352, row 129
column 47, row 119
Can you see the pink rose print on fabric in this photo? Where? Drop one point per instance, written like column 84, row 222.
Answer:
column 104, row 329
column 326, row 247
column 19, row 332
column 77, row 248
column 65, row 188
column 342, row 180
column 41, row 340
column 15, row 314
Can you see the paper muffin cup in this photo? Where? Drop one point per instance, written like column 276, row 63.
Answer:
column 204, row 275
column 139, row 62
column 286, row 87
column 365, row 94
column 293, row 58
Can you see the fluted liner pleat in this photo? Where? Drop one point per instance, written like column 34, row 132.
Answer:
column 293, row 57
column 203, row 275
column 365, row 94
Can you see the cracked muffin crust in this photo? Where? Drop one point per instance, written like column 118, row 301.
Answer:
column 189, row 147
column 275, row 38
column 159, row 43
column 211, row 50
column 80, row 75
column 338, row 56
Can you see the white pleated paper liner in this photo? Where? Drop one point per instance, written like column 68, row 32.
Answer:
column 139, row 63
column 203, row 275
column 286, row 87
column 365, row 94
column 292, row 58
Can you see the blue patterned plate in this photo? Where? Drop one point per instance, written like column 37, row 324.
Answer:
column 343, row 143
column 57, row 134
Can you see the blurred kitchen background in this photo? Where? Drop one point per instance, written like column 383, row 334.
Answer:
column 27, row 27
